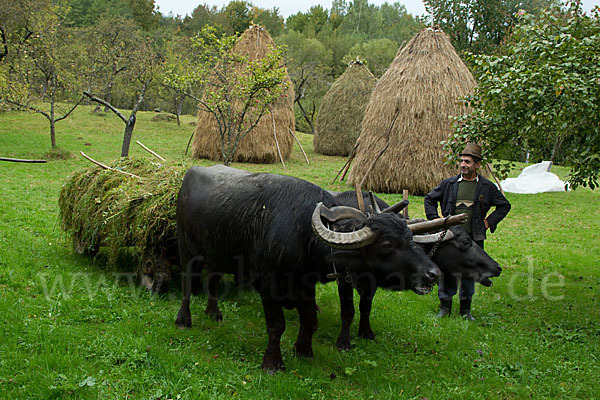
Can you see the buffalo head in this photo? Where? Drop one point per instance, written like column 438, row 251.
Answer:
column 377, row 249
column 459, row 254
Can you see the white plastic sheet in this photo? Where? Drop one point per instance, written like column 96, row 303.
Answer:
column 536, row 178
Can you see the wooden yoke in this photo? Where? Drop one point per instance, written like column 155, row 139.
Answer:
column 440, row 223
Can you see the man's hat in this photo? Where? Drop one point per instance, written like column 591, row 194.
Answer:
column 473, row 150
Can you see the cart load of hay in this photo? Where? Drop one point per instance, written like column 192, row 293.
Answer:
column 339, row 119
column 407, row 117
column 104, row 209
column 274, row 132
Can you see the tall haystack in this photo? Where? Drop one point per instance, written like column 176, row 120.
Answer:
column 338, row 123
column 409, row 110
column 260, row 146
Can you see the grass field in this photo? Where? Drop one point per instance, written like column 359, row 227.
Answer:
column 71, row 328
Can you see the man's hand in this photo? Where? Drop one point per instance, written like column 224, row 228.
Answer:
column 487, row 226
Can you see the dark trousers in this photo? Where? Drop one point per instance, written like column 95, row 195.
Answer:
column 448, row 284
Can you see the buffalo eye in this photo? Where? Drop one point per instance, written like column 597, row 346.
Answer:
column 466, row 242
column 386, row 247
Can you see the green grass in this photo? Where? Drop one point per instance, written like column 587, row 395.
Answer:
column 73, row 329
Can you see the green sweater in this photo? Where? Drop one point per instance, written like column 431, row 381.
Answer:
column 464, row 202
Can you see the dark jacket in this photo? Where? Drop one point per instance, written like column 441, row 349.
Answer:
column 445, row 194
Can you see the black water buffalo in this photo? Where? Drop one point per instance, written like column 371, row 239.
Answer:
column 284, row 235
column 456, row 253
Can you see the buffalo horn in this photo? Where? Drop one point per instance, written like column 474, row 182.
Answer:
column 340, row 240
column 433, row 237
column 415, row 220
column 374, row 204
column 428, row 226
column 396, row 208
column 335, row 214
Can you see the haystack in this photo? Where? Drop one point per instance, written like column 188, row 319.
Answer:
column 260, row 146
column 339, row 120
column 409, row 110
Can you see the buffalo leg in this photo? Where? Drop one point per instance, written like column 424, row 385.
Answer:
column 366, row 301
column 346, row 295
column 275, row 320
column 307, row 310
column 184, row 316
column 213, row 280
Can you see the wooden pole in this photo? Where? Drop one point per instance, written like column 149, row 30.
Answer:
column 107, row 167
column 277, row 141
column 489, row 167
column 405, row 197
column 299, row 145
column 21, row 160
column 440, row 223
column 150, row 151
column 359, row 198
column 382, row 150
column 373, row 163
column 346, row 166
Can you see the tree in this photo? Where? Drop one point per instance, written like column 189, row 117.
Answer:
column 379, row 54
column 542, row 95
column 238, row 16
column 478, row 26
column 361, row 17
column 113, row 47
column 201, row 16
column 19, row 23
column 237, row 92
column 397, row 24
column 85, row 13
column 140, row 76
column 48, row 68
column 180, row 79
column 309, row 65
column 270, row 19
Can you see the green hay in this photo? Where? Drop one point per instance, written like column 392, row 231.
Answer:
column 103, row 208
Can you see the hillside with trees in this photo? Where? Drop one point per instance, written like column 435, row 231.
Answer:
column 130, row 55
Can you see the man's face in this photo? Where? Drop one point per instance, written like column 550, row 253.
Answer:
column 468, row 167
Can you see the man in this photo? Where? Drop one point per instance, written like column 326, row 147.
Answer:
column 468, row 193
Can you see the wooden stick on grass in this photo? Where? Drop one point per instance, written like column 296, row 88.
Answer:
column 277, row 141
column 150, row 151
column 107, row 167
column 21, row 160
column 299, row 145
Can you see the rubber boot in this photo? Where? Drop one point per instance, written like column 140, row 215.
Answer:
column 465, row 310
column 445, row 308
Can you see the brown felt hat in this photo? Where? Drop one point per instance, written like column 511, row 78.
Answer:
column 473, row 150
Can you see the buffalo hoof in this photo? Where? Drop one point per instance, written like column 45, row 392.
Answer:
column 366, row 334
column 183, row 321
column 214, row 314
column 303, row 351
column 272, row 364
column 343, row 344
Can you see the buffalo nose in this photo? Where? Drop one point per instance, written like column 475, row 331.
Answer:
column 433, row 274
column 499, row 269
